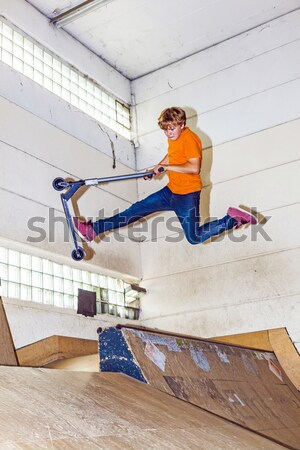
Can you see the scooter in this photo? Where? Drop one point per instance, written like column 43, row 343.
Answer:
column 60, row 184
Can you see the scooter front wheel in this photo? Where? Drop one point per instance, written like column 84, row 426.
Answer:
column 57, row 184
column 78, row 254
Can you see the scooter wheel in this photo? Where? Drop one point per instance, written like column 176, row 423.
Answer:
column 78, row 254
column 56, row 183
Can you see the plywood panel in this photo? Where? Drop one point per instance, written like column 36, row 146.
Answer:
column 53, row 348
column 248, row 387
column 286, row 354
column 68, row 410
column 277, row 341
column 7, row 349
column 257, row 339
column 88, row 363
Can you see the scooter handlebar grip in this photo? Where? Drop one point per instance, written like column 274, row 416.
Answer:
column 161, row 169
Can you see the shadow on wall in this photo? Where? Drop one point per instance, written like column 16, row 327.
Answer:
column 207, row 158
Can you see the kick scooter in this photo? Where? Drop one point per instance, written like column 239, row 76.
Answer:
column 60, row 184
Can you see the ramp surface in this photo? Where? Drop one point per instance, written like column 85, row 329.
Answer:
column 51, row 409
column 55, row 348
column 242, row 385
column 276, row 340
column 7, row 349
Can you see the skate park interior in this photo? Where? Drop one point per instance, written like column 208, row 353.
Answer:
column 241, row 93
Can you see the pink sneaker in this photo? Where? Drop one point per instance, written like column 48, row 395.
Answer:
column 84, row 229
column 242, row 217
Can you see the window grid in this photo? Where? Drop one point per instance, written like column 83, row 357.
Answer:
column 32, row 278
column 28, row 57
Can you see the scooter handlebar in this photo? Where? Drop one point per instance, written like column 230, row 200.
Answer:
column 161, row 169
column 59, row 184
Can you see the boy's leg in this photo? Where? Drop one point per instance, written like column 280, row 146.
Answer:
column 235, row 217
column 187, row 210
column 158, row 201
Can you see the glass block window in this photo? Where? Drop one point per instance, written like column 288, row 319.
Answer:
column 45, row 68
column 36, row 279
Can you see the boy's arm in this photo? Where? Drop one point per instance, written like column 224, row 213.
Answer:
column 162, row 163
column 192, row 166
column 165, row 160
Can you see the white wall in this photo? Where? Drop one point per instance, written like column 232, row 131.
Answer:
column 243, row 98
column 31, row 160
column 43, row 137
column 30, row 322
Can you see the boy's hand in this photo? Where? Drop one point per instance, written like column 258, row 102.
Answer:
column 150, row 176
column 158, row 169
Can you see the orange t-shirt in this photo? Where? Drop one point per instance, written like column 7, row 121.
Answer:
column 187, row 146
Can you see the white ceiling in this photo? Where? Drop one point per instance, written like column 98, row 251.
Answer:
column 139, row 36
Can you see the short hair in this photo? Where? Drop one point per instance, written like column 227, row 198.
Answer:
column 173, row 115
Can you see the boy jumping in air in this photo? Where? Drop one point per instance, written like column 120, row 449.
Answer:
column 181, row 195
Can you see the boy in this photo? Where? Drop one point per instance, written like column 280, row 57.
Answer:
column 181, row 195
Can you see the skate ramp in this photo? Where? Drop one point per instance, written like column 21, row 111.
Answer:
column 52, row 409
column 55, row 349
column 86, row 363
column 245, row 386
column 7, row 349
column 276, row 340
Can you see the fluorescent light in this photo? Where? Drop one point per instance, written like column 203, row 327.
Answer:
column 78, row 11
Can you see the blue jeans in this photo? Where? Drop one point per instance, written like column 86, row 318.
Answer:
column 186, row 207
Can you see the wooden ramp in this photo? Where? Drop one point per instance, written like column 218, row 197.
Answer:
column 277, row 341
column 55, row 348
column 43, row 409
column 7, row 350
column 245, row 386
column 86, row 363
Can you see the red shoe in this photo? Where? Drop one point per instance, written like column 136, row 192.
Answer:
column 242, row 217
column 84, row 229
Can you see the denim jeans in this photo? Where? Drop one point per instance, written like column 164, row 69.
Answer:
column 186, row 207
